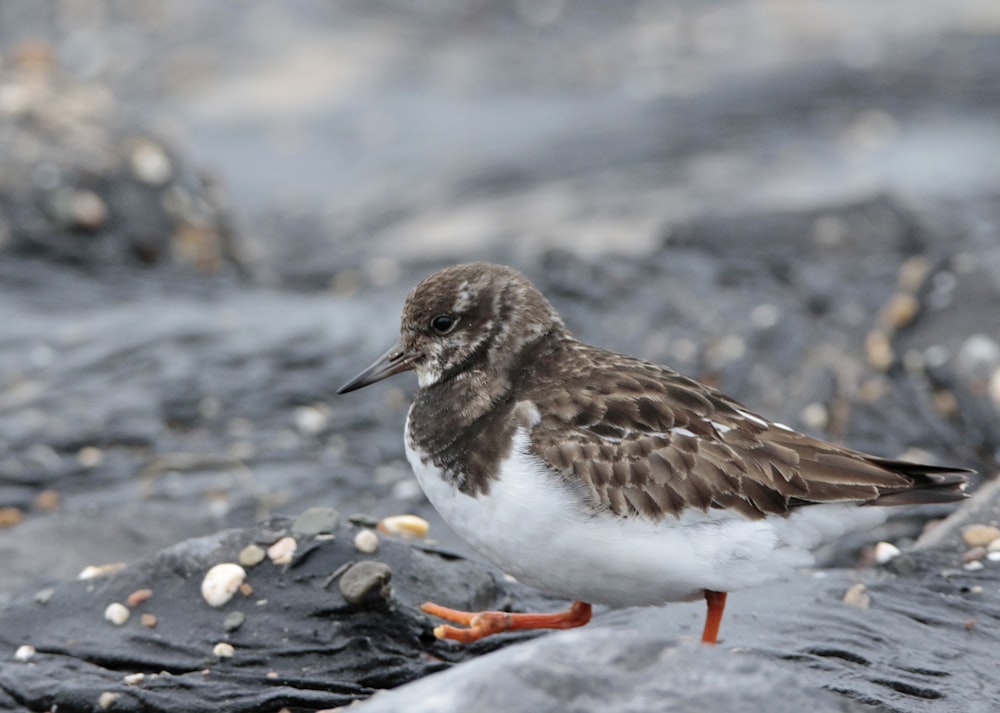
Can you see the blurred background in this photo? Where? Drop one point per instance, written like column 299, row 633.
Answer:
column 211, row 212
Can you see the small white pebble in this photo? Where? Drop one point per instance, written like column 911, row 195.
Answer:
column 311, row 419
column 856, row 596
column 100, row 570
column 24, row 653
column 223, row 650
column 885, row 551
column 117, row 613
column 366, row 541
column 107, row 699
column 221, row 583
column 993, row 556
column 973, row 566
column 150, row 163
column 815, row 416
column 134, row 678
column 406, row 525
column 89, row 457
column 282, row 551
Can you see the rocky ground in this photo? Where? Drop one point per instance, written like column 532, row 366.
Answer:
column 208, row 223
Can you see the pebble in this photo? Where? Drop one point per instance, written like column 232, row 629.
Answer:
column 107, row 699
column 148, row 620
column 900, row 310
column 100, row 570
column 885, row 551
column 993, row 556
column 234, row 620
column 47, row 500
column 978, row 356
column 221, row 583
column 815, row 415
column 311, row 420
column 10, row 516
column 992, row 547
column 282, row 551
column 362, row 519
column 24, row 653
column 879, row 350
column 405, row 525
column 366, row 541
column 315, row 521
column 150, row 163
column 976, row 553
column 364, row 579
column 138, row 597
column 973, row 566
column 223, row 650
column 133, row 679
column 856, row 596
column 89, row 457
column 980, row 535
column 117, row 613
column 44, row 596
column 251, row 555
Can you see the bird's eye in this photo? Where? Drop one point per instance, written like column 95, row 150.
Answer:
column 443, row 323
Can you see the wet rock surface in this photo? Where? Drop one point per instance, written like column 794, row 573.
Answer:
column 797, row 206
column 297, row 641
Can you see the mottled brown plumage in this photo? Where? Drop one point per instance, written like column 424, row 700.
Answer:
column 638, row 439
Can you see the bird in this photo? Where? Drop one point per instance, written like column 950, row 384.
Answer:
column 606, row 479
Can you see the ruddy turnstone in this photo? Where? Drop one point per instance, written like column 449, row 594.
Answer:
column 604, row 478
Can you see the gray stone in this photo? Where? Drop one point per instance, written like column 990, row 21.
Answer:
column 316, row 521
column 364, row 581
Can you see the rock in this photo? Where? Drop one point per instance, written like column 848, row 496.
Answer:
column 596, row 670
column 282, row 551
column 364, row 581
column 252, row 555
column 885, row 551
column 221, row 582
column 981, row 535
column 366, row 541
column 315, row 521
column 404, row 526
column 856, row 596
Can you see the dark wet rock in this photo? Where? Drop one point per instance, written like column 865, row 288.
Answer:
column 923, row 643
column 299, row 645
column 84, row 185
column 608, row 669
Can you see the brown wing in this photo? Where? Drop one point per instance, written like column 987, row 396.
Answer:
column 646, row 440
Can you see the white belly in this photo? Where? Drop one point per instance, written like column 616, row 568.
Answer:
column 532, row 527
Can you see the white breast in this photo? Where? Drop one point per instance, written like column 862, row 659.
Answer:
column 534, row 528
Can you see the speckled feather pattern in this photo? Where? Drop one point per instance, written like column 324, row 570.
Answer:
column 636, row 439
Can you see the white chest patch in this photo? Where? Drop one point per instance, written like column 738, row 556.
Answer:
column 534, row 527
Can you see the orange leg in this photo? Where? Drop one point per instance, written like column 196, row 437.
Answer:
column 716, row 605
column 486, row 623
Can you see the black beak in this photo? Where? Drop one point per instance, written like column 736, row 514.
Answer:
column 392, row 362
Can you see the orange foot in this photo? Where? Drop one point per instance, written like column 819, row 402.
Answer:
column 486, row 623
